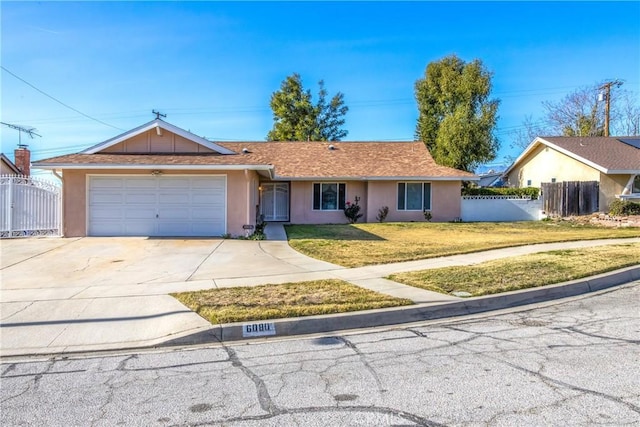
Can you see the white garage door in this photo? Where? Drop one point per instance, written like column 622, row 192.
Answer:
column 157, row 206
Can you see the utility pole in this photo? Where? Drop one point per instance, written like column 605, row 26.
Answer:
column 607, row 87
column 29, row 131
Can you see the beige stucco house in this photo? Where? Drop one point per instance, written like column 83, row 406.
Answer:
column 160, row 180
column 614, row 162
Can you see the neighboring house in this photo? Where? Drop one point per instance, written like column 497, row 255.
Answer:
column 491, row 179
column 21, row 166
column 614, row 162
column 160, row 180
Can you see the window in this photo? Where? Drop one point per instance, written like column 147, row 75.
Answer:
column 553, row 180
column 329, row 196
column 636, row 184
column 414, row 196
column 528, row 183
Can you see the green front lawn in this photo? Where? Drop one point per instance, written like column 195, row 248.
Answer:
column 374, row 243
column 523, row 272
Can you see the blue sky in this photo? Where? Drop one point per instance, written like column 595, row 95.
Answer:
column 212, row 66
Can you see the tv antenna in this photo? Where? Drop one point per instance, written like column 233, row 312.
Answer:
column 29, row 131
column 158, row 114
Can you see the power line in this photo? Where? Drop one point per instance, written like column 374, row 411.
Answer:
column 57, row 100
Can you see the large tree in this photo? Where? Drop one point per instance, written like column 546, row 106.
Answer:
column 296, row 118
column 582, row 113
column 456, row 117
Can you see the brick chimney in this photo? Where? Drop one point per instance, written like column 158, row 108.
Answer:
column 23, row 160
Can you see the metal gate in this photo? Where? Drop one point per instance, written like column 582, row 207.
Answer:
column 29, row 207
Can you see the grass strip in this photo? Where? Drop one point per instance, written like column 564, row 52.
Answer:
column 523, row 272
column 374, row 243
column 229, row 305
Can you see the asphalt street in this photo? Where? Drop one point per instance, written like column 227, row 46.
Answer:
column 570, row 362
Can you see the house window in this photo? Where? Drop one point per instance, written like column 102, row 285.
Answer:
column 636, row 184
column 414, row 196
column 528, row 183
column 329, row 196
column 552, row 180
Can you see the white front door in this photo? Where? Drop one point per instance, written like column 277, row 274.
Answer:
column 157, row 206
column 275, row 201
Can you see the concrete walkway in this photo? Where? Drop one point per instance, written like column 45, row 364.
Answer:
column 66, row 295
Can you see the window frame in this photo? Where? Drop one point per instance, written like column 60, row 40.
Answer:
column 425, row 196
column 635, row 185
column 341, row 196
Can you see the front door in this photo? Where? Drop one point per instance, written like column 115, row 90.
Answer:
column 275, row 201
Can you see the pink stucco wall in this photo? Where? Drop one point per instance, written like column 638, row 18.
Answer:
column 445, row 202
column 242, row 197
column 301, row 200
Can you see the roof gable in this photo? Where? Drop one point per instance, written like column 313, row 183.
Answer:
column 157, row 125
column 609, row 155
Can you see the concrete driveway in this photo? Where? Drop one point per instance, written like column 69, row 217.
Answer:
column 58, row 294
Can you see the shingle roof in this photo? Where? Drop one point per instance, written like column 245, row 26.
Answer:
column 610, row 153
column 293, row 160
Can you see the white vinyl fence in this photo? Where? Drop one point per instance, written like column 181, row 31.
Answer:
column 500, row 209
column 29, row 207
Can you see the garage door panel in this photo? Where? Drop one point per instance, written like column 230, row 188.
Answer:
column 157, row 206
column 174, row 199
column 138, row 213
column 106, row 213
column 106, row 198
column 140, row 183
column 139, row 228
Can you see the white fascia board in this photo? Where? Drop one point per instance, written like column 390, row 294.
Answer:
column 152, row 125
column 53, row 166
column 623, row 172
column 567, row 153
column 381, row 178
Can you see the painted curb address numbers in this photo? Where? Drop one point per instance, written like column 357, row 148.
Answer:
column 258, row 329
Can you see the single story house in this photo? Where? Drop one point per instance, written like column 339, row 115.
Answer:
column 614, row 162
column 160, row 180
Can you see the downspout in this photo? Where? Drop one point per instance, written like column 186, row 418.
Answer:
column 55, row 173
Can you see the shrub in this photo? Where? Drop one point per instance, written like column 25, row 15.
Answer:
column 352, row 210
column 382, row 213
column 622, row 207
column 427, row 215
column 532, row 192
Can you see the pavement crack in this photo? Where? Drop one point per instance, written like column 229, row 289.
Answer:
column 604, row 337
column 408, row 416
column 195, row 270
column 4, row 319
column 364, row 361
column 264, row 398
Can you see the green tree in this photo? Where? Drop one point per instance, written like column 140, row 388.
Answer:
column 296, row 118
column 456, row 117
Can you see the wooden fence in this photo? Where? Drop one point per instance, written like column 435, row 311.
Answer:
column 570, row 198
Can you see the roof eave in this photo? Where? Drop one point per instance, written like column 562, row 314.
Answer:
column 75, row 166
column 378, row 178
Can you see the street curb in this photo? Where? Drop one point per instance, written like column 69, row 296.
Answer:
column 409, row 314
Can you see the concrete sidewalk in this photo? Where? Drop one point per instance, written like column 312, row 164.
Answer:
column 69, row 295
